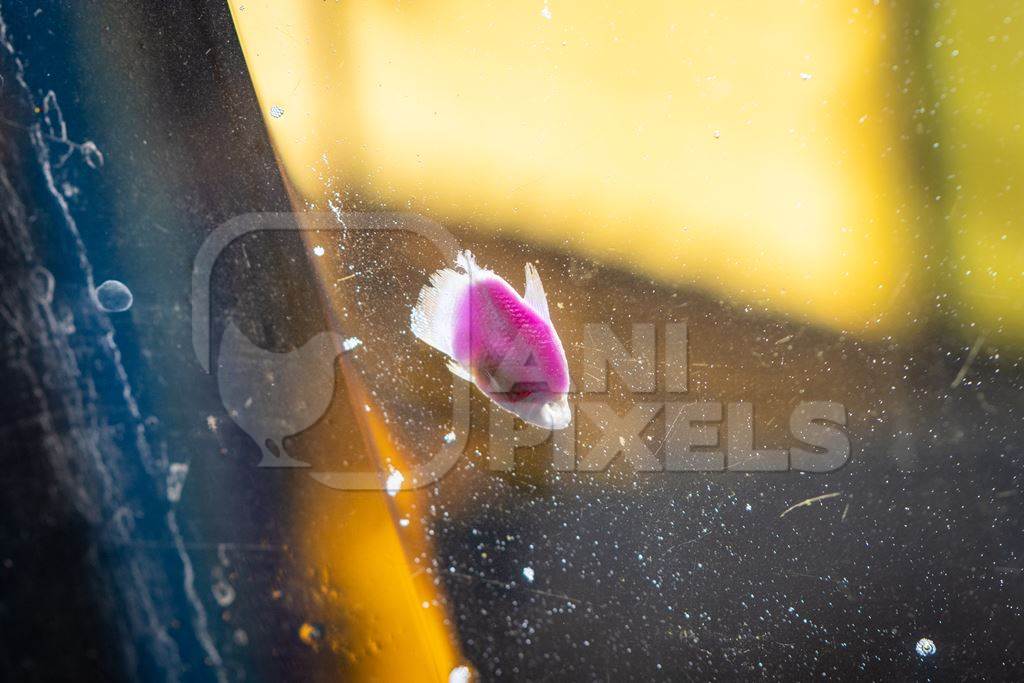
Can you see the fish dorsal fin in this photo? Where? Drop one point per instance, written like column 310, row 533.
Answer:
column 534, row 294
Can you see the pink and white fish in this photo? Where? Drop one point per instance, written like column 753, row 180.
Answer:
column 502, row 342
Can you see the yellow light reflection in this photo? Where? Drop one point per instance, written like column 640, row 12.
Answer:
column 745, row 148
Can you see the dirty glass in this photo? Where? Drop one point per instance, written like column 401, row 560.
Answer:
column 511, row 341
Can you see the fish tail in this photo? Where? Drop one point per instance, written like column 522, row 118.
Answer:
column 433, row 318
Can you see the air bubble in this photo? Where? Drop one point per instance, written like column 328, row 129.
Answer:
column 223, row 593
column 113, row 296
column 42, row 284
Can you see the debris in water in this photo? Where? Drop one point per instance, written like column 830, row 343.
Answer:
column 459, row 674
column 449, row 437
column 925, row 647
column 176, row 475
column 804, row 503
column 805, row 76
column 528, row 574
column 394, row 482
column 351, row 343
column 310, row 635
column 318, row 250
column 971, row 355
column 91, row 153
column 545, row 12
column 113, row 296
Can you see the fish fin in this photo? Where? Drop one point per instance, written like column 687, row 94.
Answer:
column 433, row 318
column 534, row 294
column 459, row 371
column 467, row 262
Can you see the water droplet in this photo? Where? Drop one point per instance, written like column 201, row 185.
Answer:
column 277, row 111
column 113, row 296
column 925, row 647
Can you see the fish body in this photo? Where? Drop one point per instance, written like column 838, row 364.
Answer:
column 504, row 343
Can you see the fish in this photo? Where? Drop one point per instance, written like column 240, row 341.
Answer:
column 503, row 343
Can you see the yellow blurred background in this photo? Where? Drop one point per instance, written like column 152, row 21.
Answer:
column 854, row 165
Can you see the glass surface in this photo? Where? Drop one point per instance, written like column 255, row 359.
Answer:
column 780, row 245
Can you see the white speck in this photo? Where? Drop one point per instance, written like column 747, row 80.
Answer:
column 211, row 423
column 459, row 674
column 717, row 134
column 403, row 522
column 425, row 605
column 925, row 647
column 351, row 343
column 277, row 111
column 449, row 437
column 749, row 507
column 394, row 482
column 805, row 76
column 176, row 475
column 545, row 12
column 318, row 250
column 528, row 574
